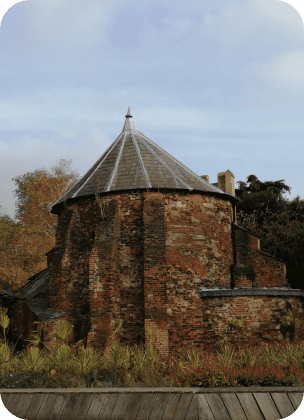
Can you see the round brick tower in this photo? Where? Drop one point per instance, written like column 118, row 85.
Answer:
column 144, row 239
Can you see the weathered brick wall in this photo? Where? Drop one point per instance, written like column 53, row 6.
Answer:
column 254, row 267
column 123, row 257
column 97, row 271
column 262, row 319
column 140, row 257
column 155, row 270
column 199, row 252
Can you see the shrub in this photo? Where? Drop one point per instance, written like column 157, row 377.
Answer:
column 24, row 379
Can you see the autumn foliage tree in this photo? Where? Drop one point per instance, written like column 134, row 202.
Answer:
column 277, row 221
column 23, row 244
column 9, row 230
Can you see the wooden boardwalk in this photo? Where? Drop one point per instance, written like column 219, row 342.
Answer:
column 253, row 403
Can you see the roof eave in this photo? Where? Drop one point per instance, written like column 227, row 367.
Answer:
column 225, row 196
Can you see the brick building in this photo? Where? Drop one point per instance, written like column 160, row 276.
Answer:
column 144, row 239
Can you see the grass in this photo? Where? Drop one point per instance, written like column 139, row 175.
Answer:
column 119, row 366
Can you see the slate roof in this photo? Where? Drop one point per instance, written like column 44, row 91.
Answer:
column 35, row 293
column 133, row 161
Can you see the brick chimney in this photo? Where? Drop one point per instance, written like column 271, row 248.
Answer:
column 225, row 181
column 226, row 184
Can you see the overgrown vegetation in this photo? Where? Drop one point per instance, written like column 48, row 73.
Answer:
column 75, row 366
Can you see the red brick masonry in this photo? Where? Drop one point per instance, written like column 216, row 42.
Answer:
column 142, row 256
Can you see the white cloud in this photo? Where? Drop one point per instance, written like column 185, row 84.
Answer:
column 236, row 23
column 168, row 118
column 275, row 79
column 174, row 29
column 29, row 153
column 68, row 133
column 19, row 110
column 277, row 75
column 287, row 14
column 51, row 108
column 286, row 70
column 70, row 23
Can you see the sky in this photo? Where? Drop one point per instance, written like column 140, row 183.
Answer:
column 218, row 84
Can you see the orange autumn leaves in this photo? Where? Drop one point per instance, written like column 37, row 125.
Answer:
column 23, row 244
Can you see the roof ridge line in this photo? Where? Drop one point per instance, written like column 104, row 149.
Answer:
column 178, row 162
column 107, row 153
column 141, row 161
column 168, row 168
column 116, row 163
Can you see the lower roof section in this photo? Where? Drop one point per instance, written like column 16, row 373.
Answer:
column 35, row 293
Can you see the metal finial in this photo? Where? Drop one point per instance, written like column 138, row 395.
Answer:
column 129, row 113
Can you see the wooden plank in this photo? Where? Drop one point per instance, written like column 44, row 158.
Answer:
column 204, row 411
column 5, row 398
column 46, row 406
column 283, row 404
column 267, row 405
column 183, row 406
column 146, row 407
column 192, row 413
column 295, row 398
column 33, row 408
column 171, row 407
column 217, row 406
column 133, row 406
column 58, row 407
column 108, row 407
column 233, row 406
column 70, row 406
column 95, row 407
column 120, row 406
column 152, row 406
column 83, row 406
column 23, row 404
column 12, row 402
column 159, row 406
column 250, row 406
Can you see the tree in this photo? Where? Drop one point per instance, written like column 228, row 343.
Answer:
column 259, row 195
column 277, row 221
column 24, row 244
column 8, row 231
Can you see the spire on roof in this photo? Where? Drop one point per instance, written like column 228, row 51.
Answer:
column 129, row 113
column 129, row 123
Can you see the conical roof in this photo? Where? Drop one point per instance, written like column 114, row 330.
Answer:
column 133, row 161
